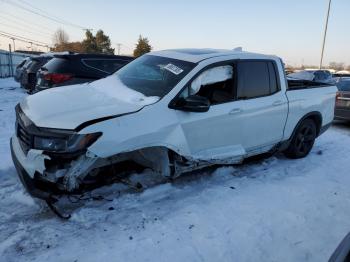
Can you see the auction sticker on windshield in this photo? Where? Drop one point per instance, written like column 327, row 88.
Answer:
column 174, row 69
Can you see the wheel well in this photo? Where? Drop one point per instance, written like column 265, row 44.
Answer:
column 314, row 116
column 317, row 118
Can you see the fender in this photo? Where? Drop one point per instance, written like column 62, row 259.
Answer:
column 316, row 116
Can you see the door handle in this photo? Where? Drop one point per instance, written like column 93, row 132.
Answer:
column 235, row 111
column 278, row 103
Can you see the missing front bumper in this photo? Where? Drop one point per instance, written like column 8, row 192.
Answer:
column 32, row 185
column 42, row 184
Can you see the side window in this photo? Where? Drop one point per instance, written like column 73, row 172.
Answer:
column 274, row 87
column 216, row 84
column 253, row 79
column 105, row 65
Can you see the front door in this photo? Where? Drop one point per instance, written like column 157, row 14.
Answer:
column 215, row 134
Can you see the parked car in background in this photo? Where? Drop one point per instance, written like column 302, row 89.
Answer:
column 28, row 77
column 342, row 105
column 172, row 111
column 342, row 73
column 20, row 68
column 321, row 76
column 74, row 68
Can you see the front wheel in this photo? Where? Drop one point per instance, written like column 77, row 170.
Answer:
column 303, row 140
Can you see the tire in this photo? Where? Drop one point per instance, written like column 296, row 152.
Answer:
column 303, row 140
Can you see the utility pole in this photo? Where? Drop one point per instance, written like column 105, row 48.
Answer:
column 14, row 45
column 325, row 33
column 10, row 61
column 31, row 46
column 119, row 45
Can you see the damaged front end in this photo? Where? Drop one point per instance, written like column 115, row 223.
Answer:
column 52, row 162
column 43, row 157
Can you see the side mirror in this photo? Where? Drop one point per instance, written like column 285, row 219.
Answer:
column 193, row 103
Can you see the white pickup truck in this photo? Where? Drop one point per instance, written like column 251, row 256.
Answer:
column 172, row 111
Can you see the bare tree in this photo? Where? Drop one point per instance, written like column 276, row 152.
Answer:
column 60, row 37
column 337, row 66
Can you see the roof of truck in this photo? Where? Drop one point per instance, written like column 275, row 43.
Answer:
column 196, row 55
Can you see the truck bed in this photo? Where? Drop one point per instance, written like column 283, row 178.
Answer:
column 308, row 96
column 296, row 84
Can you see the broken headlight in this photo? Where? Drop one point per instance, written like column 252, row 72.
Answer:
column 51, row 144
column 72, row 143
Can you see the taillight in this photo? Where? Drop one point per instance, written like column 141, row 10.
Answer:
column 337, row 96
column 57, row 78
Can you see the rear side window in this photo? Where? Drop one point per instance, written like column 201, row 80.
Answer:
column 36, row 64
column 343, row 85
column 322, row 75
column 273, row 78
column 57, row 65
column 256, row 79
column 22, row 63
column 105, row 65
column 27, row 63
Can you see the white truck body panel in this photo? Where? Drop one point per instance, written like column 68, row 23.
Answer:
column 320, row 100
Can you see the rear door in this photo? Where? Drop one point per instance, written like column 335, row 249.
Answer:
column 264, row 107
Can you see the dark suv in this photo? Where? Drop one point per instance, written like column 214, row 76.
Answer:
column 28, row 77
column 70, row 69
column 20, row 68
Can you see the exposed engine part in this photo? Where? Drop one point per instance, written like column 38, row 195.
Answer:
column 155, row 158
column 79, row 169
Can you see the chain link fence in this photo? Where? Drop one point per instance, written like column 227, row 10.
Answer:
column 9, row 61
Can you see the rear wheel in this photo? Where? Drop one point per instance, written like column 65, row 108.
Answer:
column 303, row 140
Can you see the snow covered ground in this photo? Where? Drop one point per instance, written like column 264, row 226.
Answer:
column 273, row 209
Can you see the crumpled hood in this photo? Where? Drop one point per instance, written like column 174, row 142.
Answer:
column 67, row 107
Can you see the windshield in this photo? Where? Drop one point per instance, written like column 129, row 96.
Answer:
column 154, row 75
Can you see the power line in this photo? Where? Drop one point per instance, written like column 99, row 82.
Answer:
column 33, row 23
column 23, row 24
column 50, row 15
column 25, row 30
column 60, row 21
column 25, row 21
column 23, row 39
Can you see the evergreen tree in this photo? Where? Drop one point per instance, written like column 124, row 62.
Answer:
column 142, row 46
column 103, row 43
column 89, row 43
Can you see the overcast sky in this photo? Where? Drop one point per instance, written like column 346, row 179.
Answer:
column 292, row 29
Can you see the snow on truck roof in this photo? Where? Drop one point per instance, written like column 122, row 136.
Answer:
column 196, row 55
